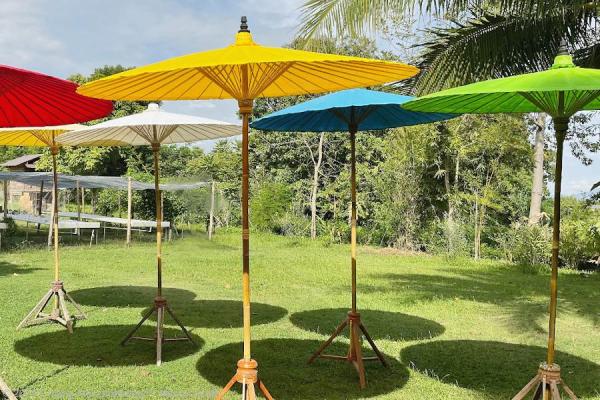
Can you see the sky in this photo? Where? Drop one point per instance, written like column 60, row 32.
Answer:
column 62, row 37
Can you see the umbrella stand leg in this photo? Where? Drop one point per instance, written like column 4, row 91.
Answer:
column 57, row 293
column 548, row 377
column 5, row 391
column 352, row 321
column 160, row 303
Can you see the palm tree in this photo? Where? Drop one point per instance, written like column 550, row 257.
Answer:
column 481, row 40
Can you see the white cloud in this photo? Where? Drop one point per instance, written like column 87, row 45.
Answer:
column 23, row 39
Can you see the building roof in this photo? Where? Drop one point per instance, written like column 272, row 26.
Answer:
column 27, row 159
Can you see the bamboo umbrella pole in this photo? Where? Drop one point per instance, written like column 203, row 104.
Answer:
column 245, row 110
column 353, row 212
column 54, row 151
column 561, row 126
column 157, row 198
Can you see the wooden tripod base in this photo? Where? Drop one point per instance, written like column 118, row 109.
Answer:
column 159, row 307
column 354, row 356
column 59, row 314
column 247, row 376
column 545, row 385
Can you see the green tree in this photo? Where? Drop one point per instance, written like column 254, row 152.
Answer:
column 471, row 41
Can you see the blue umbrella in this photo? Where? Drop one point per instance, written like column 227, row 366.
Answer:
column 349, row 110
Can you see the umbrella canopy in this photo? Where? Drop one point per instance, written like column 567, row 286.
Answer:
column 41, row 136
column 32, row 99
column 153, row 125
column 245, row 71
column 370, row 109
column 561, row 91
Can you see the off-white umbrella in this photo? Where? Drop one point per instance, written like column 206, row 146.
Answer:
column 153, row 127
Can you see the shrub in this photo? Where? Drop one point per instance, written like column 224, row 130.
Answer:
column 526, row 244
column 580, row 239
column 269, row 204
column 448, row 237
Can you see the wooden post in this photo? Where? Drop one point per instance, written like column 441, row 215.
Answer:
column 50, row 227
column 561, row 126
column 129, row 205
column 162, row 210
column 40, row 203
column 5, row 192
column 83, row 200
column 77, row 188
column 212, row 211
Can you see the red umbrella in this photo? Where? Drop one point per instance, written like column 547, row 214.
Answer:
column 30, row 98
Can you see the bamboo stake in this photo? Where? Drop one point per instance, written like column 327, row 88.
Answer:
column 78, row 208
column 129, row 205
column 5, row 192
column 40, row 201
column 212, row 211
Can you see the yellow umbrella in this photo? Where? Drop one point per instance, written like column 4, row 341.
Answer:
column 245, row 71
column 45, row 136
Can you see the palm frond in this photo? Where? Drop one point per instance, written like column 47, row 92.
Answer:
column 360, row 17
column 494, row 46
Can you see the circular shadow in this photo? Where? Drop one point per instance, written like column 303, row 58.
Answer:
column 496, row 368
column 285, row 372
column 127, row 296
column 380, row 324
column 99, row 346
column 220, row 313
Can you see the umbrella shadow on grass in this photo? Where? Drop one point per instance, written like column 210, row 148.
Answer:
column 282, row 367
column 380, row 324
column 99, row 346
column 128, row 296
column 496, row 368
column 7, row 269
column 222, row 313
column 519, row 294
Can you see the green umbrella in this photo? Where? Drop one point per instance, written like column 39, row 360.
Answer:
column 560, row 91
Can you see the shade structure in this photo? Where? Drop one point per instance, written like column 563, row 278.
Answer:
column 153, row 127
column 41, row 179
column 352, row 111
column 245, row 71
column 33, row 99
column 45, row 136
column 561, row 91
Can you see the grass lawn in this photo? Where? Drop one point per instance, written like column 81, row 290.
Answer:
column 450, row 329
